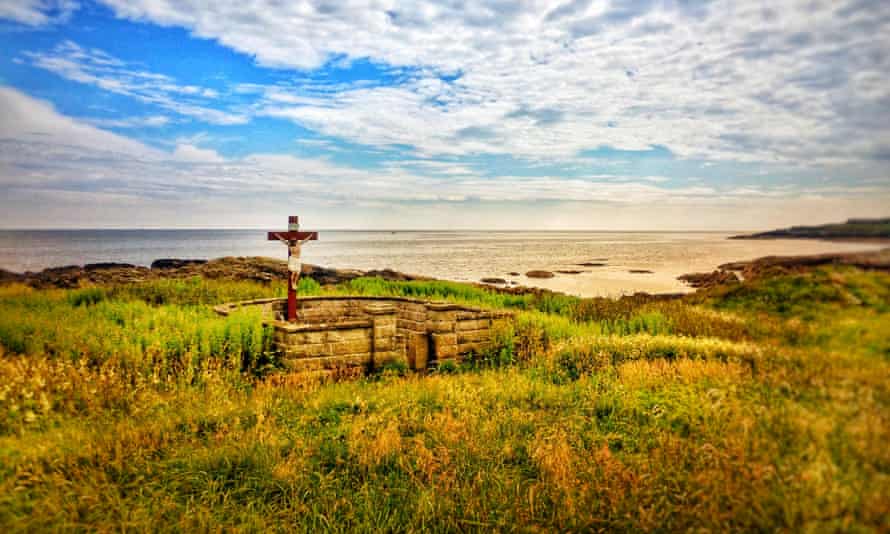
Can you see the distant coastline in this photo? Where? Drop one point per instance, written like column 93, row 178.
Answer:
column 873, row 230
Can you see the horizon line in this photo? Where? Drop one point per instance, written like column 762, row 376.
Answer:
column 443, row 230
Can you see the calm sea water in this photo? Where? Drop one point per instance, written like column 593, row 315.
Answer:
column 450, row 255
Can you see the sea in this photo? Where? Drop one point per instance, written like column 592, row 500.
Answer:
column 657, row 258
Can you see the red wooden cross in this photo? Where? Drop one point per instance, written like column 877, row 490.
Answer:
column 292, row 236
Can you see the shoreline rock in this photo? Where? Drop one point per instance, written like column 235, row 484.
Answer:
column 732, row 272
column 257, row 269
column 267, row 270
column 878, row 260
column 704, row 280
column 173, row 263
column 9, row 276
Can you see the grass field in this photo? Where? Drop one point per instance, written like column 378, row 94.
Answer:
column 759, row 406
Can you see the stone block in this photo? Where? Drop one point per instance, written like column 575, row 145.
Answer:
column 447, row 316
column 384, row 329
column 353, row 334
column 410, row 326
column 380, row 309
column 445, row 345
column 382, row 359
column 280, row 337
column 444, row 308
column 307, row 338
column 384, row 344
column 383, row 318
column 445, row 352
column 472, row 336
column 445, row 339
column 472, row 324
column 476, row 348
column 350, row 347
column 440, row 326
column 419, row 316
column 305, row 351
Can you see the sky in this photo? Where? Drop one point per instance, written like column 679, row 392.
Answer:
column 450, row 114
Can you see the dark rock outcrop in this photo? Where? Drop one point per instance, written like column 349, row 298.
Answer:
column 592, row 264
column 878, row 260
column 256, row 269
column 107, row 265
column 395, row 276
column 716, row 278
column 639, row 271
column 539, row 274
column 492, row 280
column 9, row 277
column 173, row 263
column 729, row 273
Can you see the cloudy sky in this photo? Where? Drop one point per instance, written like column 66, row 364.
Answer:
column 581, row 114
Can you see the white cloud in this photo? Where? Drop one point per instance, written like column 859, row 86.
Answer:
column 37, row 12
column 41, row 147
column 150, row 121
column 193, row 154
column 96, row 67
column 800, row 83
column 796, row 82
column 34, row 126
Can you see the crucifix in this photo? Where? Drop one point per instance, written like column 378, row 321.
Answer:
column 294, row 240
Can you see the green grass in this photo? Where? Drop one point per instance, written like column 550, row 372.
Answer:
column 757, row 407
column 462, row 293
column 851, row 228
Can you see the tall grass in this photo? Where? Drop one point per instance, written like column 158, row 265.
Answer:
column 587, row 355
column 188, row 291
column 754, row 408
column 105, row 326
column 458, row 292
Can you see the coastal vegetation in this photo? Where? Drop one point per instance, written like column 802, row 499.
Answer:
column 759, row 405
column 851, row 229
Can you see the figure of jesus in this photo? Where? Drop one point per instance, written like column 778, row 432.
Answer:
column 294, row 265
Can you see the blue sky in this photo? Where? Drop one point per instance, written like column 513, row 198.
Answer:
column 579, row 114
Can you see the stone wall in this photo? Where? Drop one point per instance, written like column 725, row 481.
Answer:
column 372, row 332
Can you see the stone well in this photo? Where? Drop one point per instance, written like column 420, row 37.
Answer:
column 349, row 331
